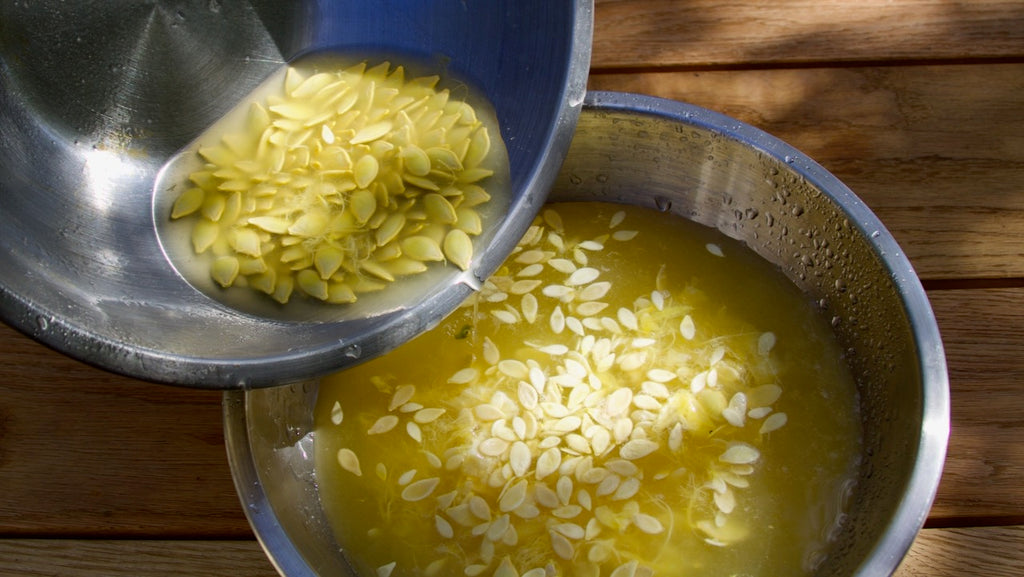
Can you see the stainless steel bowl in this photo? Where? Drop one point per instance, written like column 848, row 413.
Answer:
column 720, row 172
column 96, row 96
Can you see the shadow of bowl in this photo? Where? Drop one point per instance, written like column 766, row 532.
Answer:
column 96, row 97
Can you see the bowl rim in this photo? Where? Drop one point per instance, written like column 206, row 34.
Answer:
column 912, row 511
column 907, row 519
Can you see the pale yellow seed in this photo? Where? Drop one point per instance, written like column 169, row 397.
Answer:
column 594, row 291
column 188, row 202
column 365, row 170
column 308, row 225
column 590, row 308
column 422, row 248
column 444, row 528
column 648, row 524
column 627, row 489
column 479, row 508
column 402, row 395
column 337, row 415
column 529, row 307
column 420, row 490
column 429, row 415
column 385, row 570
column 687, row 329
column 349, row 461
column 764, row 396
column 444, row 159
column 772, row 423
column 740, row 454
column 204, row 234
column 468, row 220
column 479, row 146
column 561, row 546
column 463, row 376
column 311, row 284
column 389, row 228
column 340, row 293
column 371, row 132
column 506, row 569
column 628, row 569
column 416, row 160
column 506, row 317
column 493, row 447
column 458, row 248
column 637, row 449
column 414, row 431
column 327, row 259
column 225, row 270
column 271, row 224
column 520, row 458
column 583, row 276
column 363, row 204
column 383, row 425
column 548, row 463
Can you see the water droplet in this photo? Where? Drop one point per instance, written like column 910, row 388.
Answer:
column 789, row 159
column 876, row 234
column 472, row 281
column 663, row 204
column 352, row 351
column 43, row 323
column 575, row 179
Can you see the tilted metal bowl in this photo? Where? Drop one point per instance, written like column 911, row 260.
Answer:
column 95, row 97
column 728, row 175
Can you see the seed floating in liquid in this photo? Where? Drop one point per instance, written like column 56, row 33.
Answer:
column 561, row 438
column 349, row 180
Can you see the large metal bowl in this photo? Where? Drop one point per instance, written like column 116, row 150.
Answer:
column 96, row 96
column 725, row 174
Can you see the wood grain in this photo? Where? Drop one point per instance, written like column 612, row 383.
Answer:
column 935, row 151
column 710, row 33
column 935, row 553
column 115, row 558
column 987, row 551
column 983, row 334
column 86, row 452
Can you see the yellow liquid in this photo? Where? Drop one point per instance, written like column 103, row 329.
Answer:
column 704, row 470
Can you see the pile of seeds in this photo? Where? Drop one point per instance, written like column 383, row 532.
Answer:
column 610, row 433
column 350, row 179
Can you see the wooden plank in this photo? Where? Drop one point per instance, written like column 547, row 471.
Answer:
column 983, row 335
column 935, row 151
column 708, row 33
column 113, row 558
column 989, row 551
column 86, row 452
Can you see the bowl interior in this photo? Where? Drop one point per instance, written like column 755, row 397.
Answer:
column 727, row 175
column 97, row 96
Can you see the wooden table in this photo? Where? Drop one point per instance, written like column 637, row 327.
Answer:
column 917, row 105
